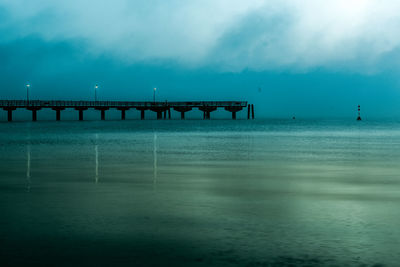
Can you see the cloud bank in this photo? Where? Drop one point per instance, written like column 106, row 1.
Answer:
column 231, row 35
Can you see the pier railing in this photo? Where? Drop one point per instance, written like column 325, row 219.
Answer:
column 117, row 104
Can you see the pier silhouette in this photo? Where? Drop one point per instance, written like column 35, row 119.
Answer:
column 161, row 108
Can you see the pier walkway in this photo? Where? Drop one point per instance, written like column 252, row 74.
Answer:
column 161, row 108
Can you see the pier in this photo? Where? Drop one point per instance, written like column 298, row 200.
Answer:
column 163, row 109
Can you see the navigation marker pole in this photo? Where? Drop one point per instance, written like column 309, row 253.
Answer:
column 359, row 113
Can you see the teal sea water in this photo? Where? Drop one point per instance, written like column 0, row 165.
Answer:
column 200, row 193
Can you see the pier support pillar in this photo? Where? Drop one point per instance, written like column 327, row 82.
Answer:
column 34, row 115
column 169, row 113
column 206, row 115
column 234, row 115
column 123, row 112
column 81, row 109
column 142, row 113
column 182, row 110
column 103, row 112
column 34, row 112
column 9, row 112
column 233, row 110
column 160, row 111
column 207, row 111
column 58, row 113
column 248, row 112
column 252, row 111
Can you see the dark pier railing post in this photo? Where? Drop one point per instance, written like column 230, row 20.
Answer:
column 248, row 112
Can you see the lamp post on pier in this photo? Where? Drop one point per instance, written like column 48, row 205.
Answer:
column 27, row 93
column 95, row 92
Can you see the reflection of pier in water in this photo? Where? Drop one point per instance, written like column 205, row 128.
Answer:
column 96, row 152
column 155, row 158
column 28, row 168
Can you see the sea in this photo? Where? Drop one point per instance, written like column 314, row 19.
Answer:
column 262, row 192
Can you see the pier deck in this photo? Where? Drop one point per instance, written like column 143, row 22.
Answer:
column 161, row 108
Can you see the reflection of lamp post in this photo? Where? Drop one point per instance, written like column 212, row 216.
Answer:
column 154, row 95
column 95, row 92
column 27, row 93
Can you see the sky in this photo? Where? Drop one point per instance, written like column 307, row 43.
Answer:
column 303, row 58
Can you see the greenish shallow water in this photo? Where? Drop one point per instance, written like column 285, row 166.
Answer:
column 200, row 193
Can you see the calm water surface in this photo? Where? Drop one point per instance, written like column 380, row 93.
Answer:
column 200, row 193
